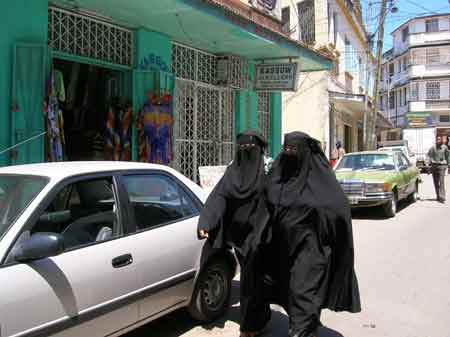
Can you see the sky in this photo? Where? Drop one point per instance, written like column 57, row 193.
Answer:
column 407, row 9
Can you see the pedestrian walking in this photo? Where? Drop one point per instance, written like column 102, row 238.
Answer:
column 235, row 215
column 337, row 153
column 439, row 156
column 311, row 257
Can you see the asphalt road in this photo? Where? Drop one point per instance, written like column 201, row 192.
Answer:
column 403, row 266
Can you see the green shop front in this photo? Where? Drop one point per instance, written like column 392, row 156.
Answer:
column 78, row 75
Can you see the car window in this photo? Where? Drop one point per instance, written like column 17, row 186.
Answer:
column 83, row 213
column 369, row 161
column 16, row 192
column 157, row 199
column 405, row 160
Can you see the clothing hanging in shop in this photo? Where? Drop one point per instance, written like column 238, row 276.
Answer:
column 56, row 94
column 155, row 129
column 118, row 132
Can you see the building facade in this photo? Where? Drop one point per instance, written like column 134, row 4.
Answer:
column 192, row 61
column 330, row 105
column 416, row 75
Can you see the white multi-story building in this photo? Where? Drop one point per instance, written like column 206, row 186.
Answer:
column 415, row 79
column 330, row 105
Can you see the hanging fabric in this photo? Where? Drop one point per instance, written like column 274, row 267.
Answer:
column 155, row 129
column 118, row 132
column 54, row 116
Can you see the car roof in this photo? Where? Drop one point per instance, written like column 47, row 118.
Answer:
column 61, row 170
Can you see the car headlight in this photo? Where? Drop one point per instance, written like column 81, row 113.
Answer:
column 378, row 187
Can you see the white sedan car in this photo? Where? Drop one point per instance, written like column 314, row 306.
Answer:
column 100, row 248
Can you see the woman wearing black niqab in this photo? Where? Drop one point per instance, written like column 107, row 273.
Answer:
column 311, row 252
column 235, row 215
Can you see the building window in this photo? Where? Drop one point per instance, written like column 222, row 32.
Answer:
column 400, row 65
column 433, row 90
column 404, row 96
column 335, row 28
column 444, row 119
column 307, row 33
column 391, row 69
column 405, row 61
column 263, row 106
column 286, row 19
column 432, row 25
column 381, row 102
column 432, row 56
column 414, row 92
column 405, row 33
column 391, row 100
column 361, row 73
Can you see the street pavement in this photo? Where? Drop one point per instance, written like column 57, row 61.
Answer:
column 403, row 267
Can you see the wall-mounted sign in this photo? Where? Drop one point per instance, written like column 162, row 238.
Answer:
column 210, row 176
column 419, row 119
column 276, row 77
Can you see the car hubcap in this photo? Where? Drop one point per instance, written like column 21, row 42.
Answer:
column 213, row 290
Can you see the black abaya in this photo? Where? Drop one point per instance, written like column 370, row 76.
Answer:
column 312, row 246
column 235, row 215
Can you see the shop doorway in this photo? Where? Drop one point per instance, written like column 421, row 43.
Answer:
column 94, row 118
column 348, row 144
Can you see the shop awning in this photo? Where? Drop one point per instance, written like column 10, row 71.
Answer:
column 204, row 25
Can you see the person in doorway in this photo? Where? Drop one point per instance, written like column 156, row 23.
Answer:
column 235, row 215
column 439, row 156
column 311, row 254
column 337, row 153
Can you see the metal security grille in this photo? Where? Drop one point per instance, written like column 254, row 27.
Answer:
column 205, row 116
column 82, row 35
column 204, row 128
column 264, row 114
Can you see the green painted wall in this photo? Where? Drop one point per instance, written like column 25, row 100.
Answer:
column 20, row 21
column 153, row 51
column 276, row 119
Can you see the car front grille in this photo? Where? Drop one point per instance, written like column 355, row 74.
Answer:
column 353, row 188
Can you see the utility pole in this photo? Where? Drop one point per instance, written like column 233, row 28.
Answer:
column 368, row 69
column 371, row 120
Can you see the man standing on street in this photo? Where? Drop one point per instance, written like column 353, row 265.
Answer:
column 440, row 162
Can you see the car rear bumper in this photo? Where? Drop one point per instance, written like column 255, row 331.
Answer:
column 370, row 199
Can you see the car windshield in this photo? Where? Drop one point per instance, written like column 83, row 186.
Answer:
column 361, row 162
column 16, row 192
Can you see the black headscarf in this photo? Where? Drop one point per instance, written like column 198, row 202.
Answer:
column 303, row 190
column 235, row 213
column 243, row 177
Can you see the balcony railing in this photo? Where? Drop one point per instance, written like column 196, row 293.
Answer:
column 437, row 105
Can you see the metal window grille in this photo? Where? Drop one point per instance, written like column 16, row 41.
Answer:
column 204, row 128
column 433, row 90
column 192, row 64
column 433, row 56
column 205, row 122
column 263, row 109
column 414, row 89
column 432, row 25
column 307, row 31
column 81, row 35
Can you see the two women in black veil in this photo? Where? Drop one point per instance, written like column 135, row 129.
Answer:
column 292, row 227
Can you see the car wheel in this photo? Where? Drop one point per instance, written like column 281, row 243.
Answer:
column 390, row 209
column 413, row 197
column 212, row 292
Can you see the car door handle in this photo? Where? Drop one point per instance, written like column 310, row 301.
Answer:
column 122, row 261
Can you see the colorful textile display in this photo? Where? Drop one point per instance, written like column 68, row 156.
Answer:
column 54, row 116
column 155, row 130
column 118, row 132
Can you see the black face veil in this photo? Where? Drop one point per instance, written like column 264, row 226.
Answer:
column 244, row 177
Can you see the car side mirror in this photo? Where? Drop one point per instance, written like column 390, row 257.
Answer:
column 40, row 246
